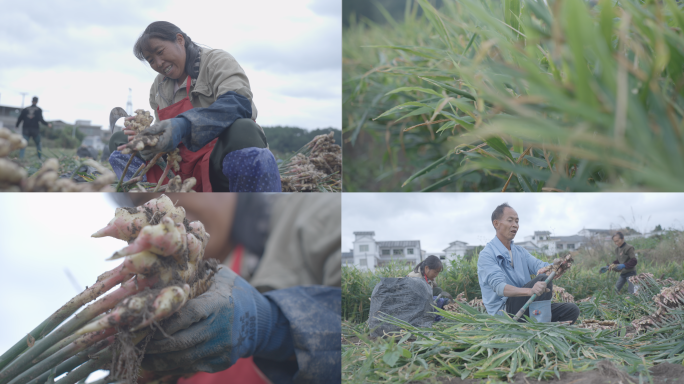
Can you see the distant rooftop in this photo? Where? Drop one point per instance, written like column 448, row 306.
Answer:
column 569, row 239
column 398, row 244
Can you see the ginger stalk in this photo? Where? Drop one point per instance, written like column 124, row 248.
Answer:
column 104, row 283
column 104, row 304
column 78, row 345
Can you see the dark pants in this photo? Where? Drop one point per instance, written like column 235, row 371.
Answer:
column 28, row 134
column 624, row 278
column 559, row 311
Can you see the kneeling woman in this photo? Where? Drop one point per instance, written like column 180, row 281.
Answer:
column 203, row 106
column 428, row 270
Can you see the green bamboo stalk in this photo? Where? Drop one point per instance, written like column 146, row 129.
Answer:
column 104, row 283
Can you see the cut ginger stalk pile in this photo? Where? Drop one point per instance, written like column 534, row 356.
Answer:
column 162, row 268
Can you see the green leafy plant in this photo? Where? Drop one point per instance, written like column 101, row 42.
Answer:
column 523, row 95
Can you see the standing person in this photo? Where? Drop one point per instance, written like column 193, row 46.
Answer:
column 203, row 106
column 625, row 262
column 31, row 116
column 504, row 270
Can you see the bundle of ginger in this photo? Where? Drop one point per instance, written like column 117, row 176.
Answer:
column 163, row 266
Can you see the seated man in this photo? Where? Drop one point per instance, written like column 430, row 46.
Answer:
column 504, row 271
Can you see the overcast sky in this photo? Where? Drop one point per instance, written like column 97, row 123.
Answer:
column 436, row 219
column 45, row 240
column 77, row 56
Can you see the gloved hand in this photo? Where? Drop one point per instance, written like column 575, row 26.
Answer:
column 229, row 321
column 619, row 267
column 170, row 132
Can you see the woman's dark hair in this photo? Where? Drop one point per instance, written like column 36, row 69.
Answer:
column 163, row 30
column 431, row 261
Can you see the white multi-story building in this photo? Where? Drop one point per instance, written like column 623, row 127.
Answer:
column 455, row 251
column 550, row 245
column 369, row 253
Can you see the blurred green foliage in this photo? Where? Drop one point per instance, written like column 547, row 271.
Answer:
column 521, row 95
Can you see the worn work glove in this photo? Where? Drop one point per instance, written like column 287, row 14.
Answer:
column 619, row 267
column 229, row 321
column 170, row 132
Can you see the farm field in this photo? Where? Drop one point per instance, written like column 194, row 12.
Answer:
column 469, row 346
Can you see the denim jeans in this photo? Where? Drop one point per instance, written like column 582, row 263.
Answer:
column 36, row 137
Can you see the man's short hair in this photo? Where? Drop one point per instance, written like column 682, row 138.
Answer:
column 618, row 233
column 498, row 212
column 35, row 98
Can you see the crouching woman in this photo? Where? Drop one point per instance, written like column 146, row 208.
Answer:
column 428, row 270
column 203, row 106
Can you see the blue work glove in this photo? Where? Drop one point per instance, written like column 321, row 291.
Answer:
column 619, row 267
column 229, row 321
column 172, row 132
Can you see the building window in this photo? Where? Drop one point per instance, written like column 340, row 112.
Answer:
column 560, row 246
column 385, row 252
column 409, row 251
column 442, row 257
column 571, row 246
column 396, row 251
column 363, row 248
column 363, row 263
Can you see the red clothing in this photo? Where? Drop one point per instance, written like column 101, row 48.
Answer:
column 194, row 164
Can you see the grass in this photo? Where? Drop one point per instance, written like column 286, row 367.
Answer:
column 469, row 344
column 517, row 95
column 31, row 161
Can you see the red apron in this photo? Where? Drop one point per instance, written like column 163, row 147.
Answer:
column 194, row 164
column 244, row 371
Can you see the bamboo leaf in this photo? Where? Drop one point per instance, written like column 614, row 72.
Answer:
column 499, row 145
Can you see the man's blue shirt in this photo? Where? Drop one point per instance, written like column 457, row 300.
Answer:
column 494, row 271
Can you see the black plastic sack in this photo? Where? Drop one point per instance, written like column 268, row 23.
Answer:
column 407, row 298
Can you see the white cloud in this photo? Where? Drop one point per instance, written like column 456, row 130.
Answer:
column 77, row 57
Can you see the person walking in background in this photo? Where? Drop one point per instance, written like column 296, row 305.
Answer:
column 31, row 116
column 625, row 262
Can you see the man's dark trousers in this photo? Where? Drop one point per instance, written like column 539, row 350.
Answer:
column 559, row 311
